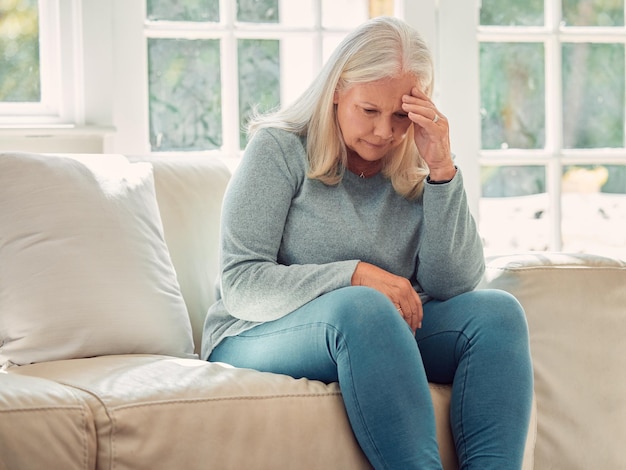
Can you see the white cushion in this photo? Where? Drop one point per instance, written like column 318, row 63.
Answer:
column 189, row 191
column 84, row 268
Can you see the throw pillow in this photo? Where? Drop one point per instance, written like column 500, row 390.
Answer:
column 84, row 268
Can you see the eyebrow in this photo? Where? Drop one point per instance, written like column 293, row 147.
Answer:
column 367, row 103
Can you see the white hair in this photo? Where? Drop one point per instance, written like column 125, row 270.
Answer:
column 383, row 47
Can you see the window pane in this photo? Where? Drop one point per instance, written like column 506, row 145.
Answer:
column 511, row 13
column 185, row 95
column 19, row 52
column 512, row 91
column 514, row 209
column 257, row 11
column 593, row 13
column 512, row 181
column 183, row 10
column 593, row 95
column 259, row 79
column 594, row 209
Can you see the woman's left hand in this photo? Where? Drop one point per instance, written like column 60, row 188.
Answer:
column 431, row 133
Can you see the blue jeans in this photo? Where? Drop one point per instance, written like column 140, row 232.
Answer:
column 478, row 341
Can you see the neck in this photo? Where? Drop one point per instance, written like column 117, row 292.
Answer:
column 363, row 168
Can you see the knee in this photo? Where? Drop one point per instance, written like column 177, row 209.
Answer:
column 501, row 315
column 364, row 311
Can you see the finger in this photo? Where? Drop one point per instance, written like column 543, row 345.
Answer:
column 406, row 317
column 418, row 104
column 419, row 316
column 418, row 98
column 425, row 116
column 414, row 319
column 417, row 93
column 412, row 312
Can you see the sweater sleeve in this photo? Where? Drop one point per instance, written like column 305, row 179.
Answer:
column 450, row 258
column 255, row 286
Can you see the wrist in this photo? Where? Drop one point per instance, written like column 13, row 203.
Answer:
column 441, row 176
column 356, row 275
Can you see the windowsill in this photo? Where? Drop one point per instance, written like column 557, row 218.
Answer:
column 53, row 130
column 55, row 138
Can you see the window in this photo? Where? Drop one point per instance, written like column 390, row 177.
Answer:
column 20, row 80
column 552, row 110
column 210, row 64
column 534, row 90
column 36, row 73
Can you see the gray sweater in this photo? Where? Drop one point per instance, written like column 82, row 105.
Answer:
column 287, row 239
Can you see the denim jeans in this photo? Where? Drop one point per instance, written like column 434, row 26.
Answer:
column 478, row 341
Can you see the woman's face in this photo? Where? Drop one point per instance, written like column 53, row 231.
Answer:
column 371, row 118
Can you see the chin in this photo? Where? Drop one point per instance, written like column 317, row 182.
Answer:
column 370, row 156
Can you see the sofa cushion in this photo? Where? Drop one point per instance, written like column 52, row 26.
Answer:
column 44, row 425
column 189, row 190
column 164, row 413
column 233, row 418
column 576, row 310
column 84, row 268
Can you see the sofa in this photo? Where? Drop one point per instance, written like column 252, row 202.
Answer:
column 108, row 264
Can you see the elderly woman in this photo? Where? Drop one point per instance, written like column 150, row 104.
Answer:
column 349, row 254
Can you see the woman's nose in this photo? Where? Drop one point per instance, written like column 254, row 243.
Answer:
column 384, row 129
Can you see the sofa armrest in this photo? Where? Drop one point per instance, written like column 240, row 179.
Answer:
column 576, row 310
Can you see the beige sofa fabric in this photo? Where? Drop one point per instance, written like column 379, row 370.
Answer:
column 189, row 192
column 165, row 413
column 145, row 411
column 576, row 310
column 179, row 413
column 44, row 423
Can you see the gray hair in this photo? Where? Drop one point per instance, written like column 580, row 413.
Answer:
column 383, row 47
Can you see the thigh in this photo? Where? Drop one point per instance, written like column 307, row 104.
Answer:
column 282, row 347
column 310, row 341
column 480, row 318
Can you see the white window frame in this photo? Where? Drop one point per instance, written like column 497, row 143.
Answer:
column 59, row 44
column 74, row 114
column 449, row 28
column 553, row 157
column 453, row 42
column 103, row 74
column 131, row 33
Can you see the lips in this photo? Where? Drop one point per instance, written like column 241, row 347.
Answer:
column 379, row 145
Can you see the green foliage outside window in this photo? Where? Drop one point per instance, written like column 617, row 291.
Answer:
column 513, row 92
column 189, row 10
column 258, row 11
column 185, row 94
column 185, row 75
column 259, row 79
column 19, row 51
column 593, row 95
column 511, row 13
column 512, row 95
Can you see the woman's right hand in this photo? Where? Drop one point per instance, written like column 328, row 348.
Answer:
column 398, row 289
